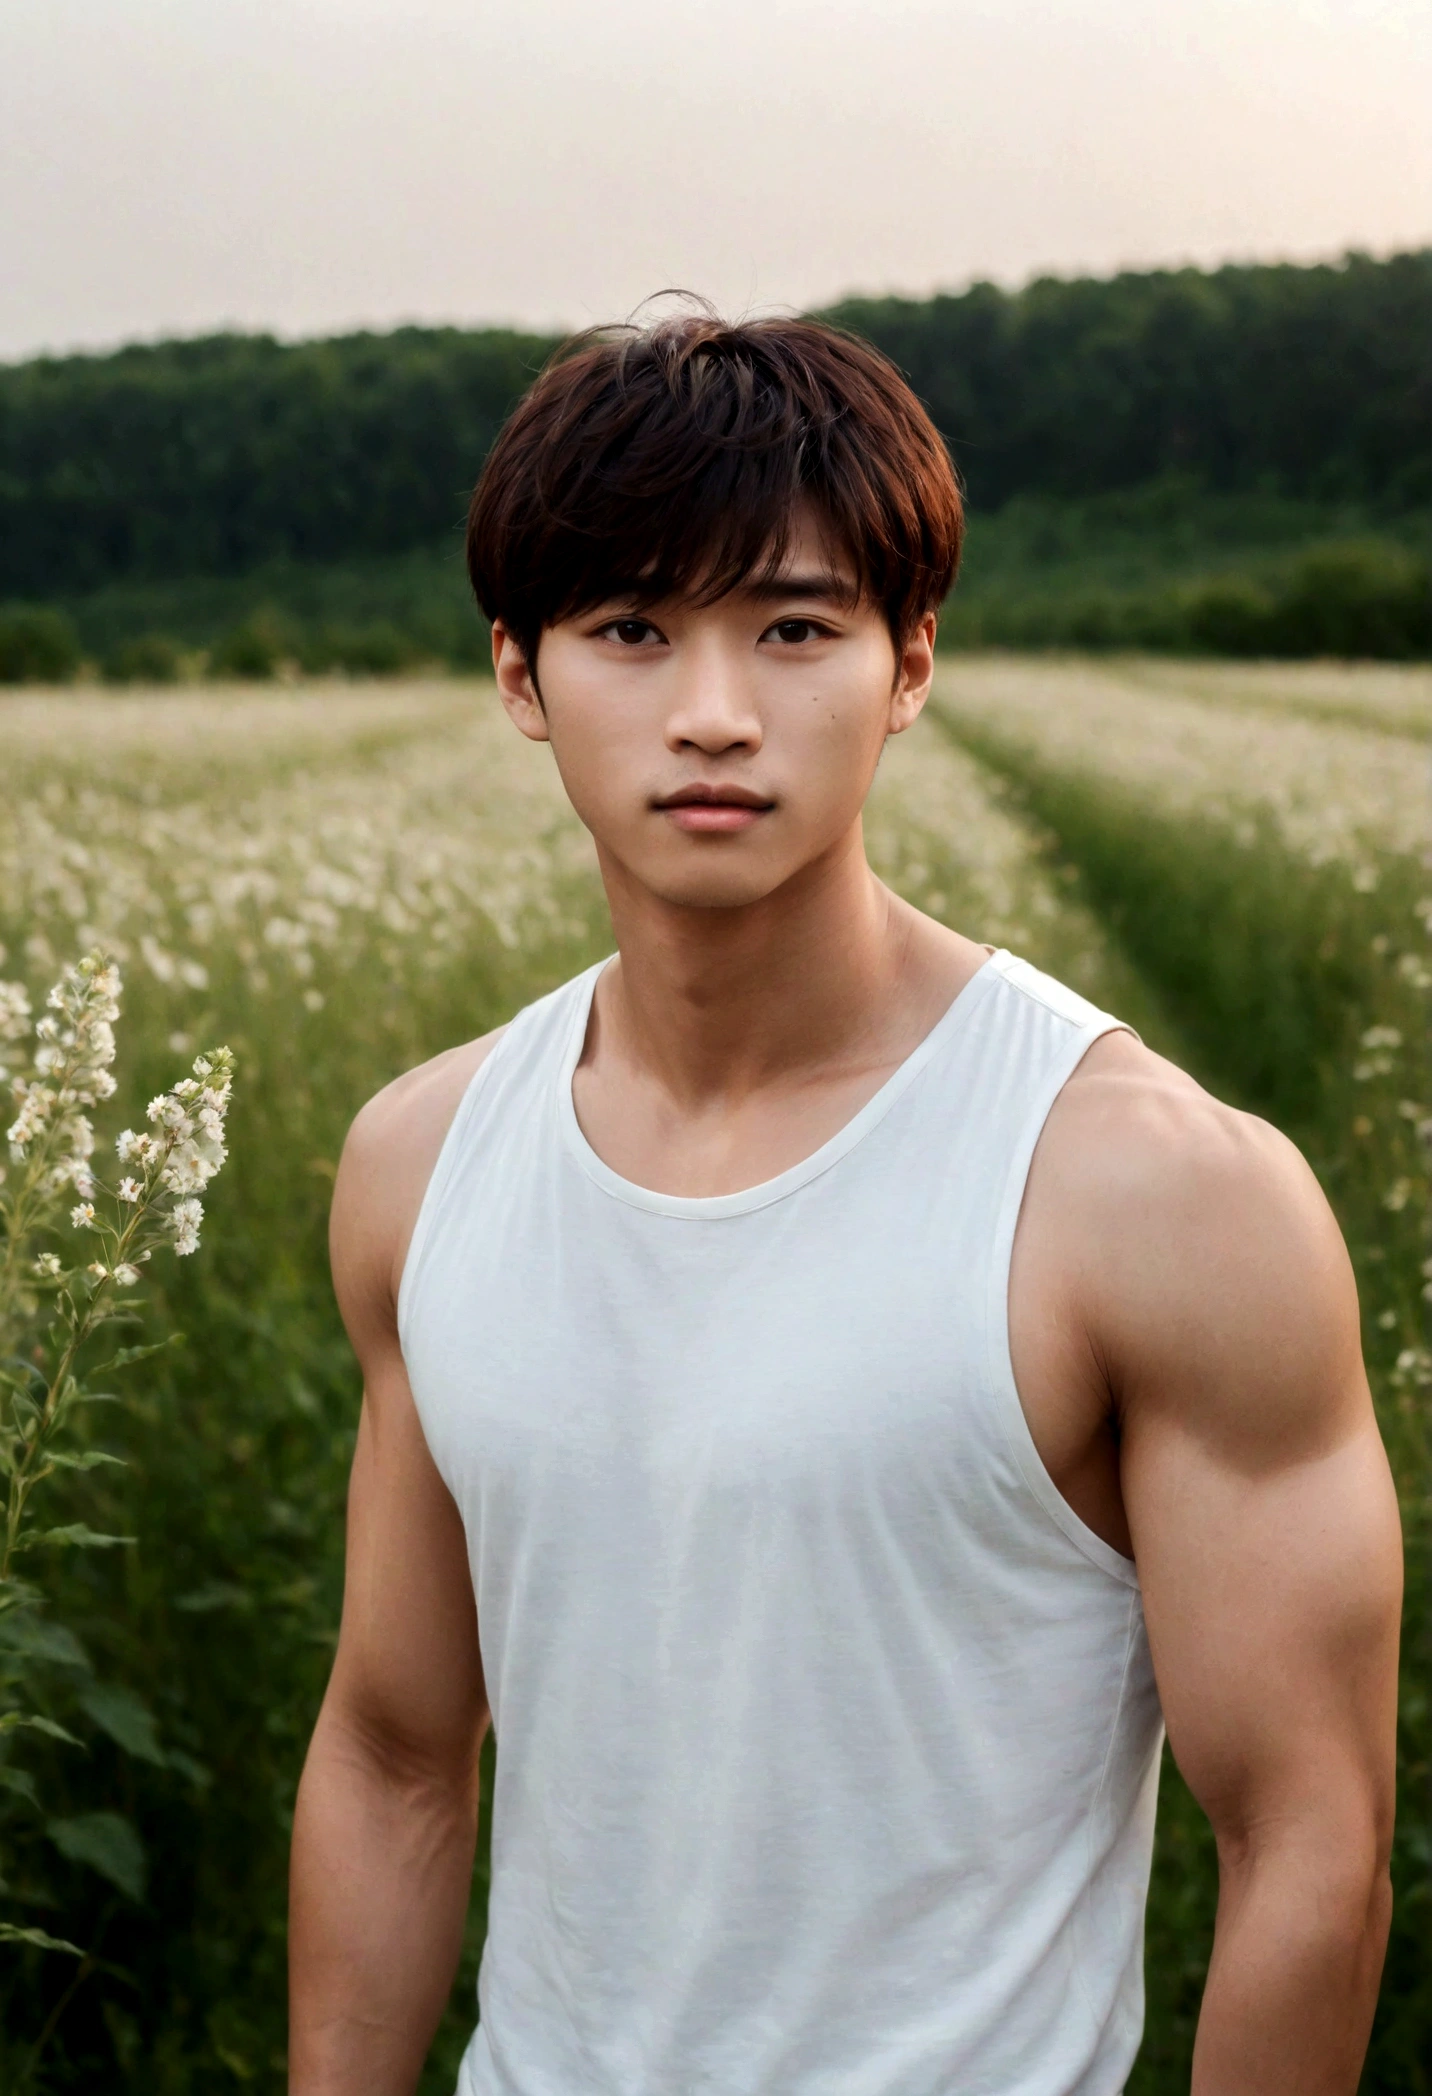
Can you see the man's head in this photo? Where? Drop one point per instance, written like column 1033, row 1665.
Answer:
column 722, row 549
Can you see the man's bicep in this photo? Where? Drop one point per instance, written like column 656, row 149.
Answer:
column 1261, row 1506
column 408, row 1670
column 1271, row 1601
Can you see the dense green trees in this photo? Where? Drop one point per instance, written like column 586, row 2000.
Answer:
column 211, row 457
column 1308, row 381
column 189, row 488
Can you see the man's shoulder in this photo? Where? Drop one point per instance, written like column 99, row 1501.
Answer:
column 1137, row 1127
column 413, row 1113
column 1205, row 1253
column 383, row 1174
column 1208, row 1260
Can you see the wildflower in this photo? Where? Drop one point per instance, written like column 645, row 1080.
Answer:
column 82, row 1215
column 186, row 1172
column 14, row 1011
column 125, row 1274
column 185, row 1218
column 129, row 1190
column 1382, row 1037
column 48, row 1266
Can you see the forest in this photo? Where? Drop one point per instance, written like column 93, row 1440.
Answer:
column 1175, row 459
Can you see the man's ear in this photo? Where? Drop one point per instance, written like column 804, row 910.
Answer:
column 516, row 685
column 914, row 674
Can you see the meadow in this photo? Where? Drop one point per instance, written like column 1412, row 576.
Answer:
column 338, row 880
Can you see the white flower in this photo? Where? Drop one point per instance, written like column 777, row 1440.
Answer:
column 82, row 1215
column 14, row 1011
column 125, row 1274
column 129, row 1190
column 48, row 1266
column 186, row 1171
column 126, row 1145
column 185, row 1219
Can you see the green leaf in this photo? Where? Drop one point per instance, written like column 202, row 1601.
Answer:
column 87, row 1459
column 77, row 1536
column 127, row 1355
column 26, row 1721
column 37, row 1938
column 187, row 1766
column 127, row 1720
column 34, row 1638
column 107, row 1843
column 20, row 1781
column 216, row 1593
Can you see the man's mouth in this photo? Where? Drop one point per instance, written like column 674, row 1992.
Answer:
column 713, row 811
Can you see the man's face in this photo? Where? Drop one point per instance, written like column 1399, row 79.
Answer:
column 715, row 751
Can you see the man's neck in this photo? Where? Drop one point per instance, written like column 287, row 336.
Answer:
column 831, row 972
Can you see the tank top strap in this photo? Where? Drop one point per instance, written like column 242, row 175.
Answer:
column 512, row 1083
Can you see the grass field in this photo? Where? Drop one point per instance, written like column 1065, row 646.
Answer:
column 339, row 881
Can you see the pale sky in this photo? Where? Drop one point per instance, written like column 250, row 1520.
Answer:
column 174, row 166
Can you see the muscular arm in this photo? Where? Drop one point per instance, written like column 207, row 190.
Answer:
column 386, row 1820
column 1220, row 1299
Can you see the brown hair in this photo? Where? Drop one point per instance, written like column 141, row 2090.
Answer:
column 669, row 460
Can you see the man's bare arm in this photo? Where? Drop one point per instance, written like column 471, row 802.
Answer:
column 1265, row 1529
column 386, row 1820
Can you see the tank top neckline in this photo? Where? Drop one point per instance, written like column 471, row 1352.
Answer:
column 745, row 1200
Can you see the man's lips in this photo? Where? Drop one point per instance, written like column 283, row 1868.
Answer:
column 713, row 810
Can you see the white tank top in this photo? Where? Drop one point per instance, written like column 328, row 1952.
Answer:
column 828, row 1738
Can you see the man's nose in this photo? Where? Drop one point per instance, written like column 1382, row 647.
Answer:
column 715, row 710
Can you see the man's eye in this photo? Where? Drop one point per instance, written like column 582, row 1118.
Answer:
column 796, row 630
column 631, row 632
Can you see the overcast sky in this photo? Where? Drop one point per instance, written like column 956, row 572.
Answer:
column 173, row 166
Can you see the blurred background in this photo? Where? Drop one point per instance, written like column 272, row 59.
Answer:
column 1159, row 269
column 270, row 278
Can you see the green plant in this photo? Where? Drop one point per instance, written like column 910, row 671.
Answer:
column 52, row 1310
column 149, row 658
column 37, row 646
column 255, row 650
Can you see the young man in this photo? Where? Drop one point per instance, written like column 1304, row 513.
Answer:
column 830, row 1392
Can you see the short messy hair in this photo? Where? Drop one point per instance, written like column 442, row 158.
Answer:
column 670, row 460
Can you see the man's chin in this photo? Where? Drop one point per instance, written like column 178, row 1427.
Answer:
column 714, row 894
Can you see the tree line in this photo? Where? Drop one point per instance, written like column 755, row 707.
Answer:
column 213, row 457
